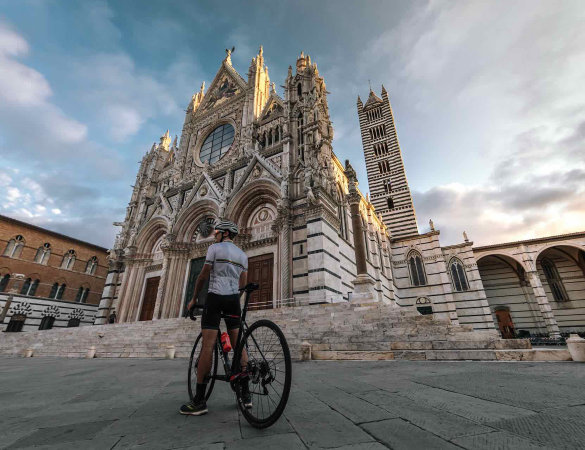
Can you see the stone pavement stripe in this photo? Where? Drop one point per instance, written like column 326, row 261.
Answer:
column 216, row 446
column 476, row 409
column 61, row 434
column 499, row 440
column 574, row 413
column 511, row 389
column 280, row 427
column 350, row 406
column 325, row 428
column 103, row 443
column 399, row 434
column 288, row 441
column 550, row 430
column 363, row 446
column 438, row 422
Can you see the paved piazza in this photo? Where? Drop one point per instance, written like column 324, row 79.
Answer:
column 128, row 403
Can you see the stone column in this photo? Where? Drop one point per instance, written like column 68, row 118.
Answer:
column 282, row 226
column 364, row 285
column 161, row 287
column 545, row 309
column 126, row 291
column 109, row 292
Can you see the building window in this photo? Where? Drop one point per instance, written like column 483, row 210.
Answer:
column 47, row 323
column 91, row 265
column 33, row 287
column 4, row 282
column 416, row 269
column 217, row 144
column 16, row 323
column 390, row 203
column 82, row 294
column 68, row 260
column 54, row 290
column 554, row 280
column 61, row 291
column 299, row 90
column 25, row 287
column 458, row 276
column 72, row 323
column 14, row 247
column 43, row 253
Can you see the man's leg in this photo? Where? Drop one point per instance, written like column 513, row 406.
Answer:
column 244, row 382
column 233, row 339
column 204, row 365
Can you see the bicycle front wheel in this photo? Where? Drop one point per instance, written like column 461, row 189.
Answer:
column 269, row 373
column 194, row 363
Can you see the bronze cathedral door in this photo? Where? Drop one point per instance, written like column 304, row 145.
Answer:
column 260, row 270
column 149, row 299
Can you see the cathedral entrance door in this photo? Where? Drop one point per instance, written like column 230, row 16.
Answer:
column 260, row 270
column 149, row 299
column 194, row 271
column 505, row 324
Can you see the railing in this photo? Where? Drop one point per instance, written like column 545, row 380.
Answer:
column 293, row 302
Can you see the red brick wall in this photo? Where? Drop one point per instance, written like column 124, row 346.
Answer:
column 51, row 272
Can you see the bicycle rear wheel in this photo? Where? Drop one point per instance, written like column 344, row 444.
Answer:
column 193, row 362
column 269, row 371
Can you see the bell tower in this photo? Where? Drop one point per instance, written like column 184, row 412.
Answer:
column 389, row 191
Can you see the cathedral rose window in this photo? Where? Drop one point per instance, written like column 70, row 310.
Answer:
column 217, row 143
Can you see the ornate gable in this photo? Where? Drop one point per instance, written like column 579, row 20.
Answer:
column 274, row 108
column 226, row 85
column 258, row 168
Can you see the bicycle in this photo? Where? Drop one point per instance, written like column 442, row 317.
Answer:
column 268, row 370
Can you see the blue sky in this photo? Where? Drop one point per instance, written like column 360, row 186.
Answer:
column 487, row 97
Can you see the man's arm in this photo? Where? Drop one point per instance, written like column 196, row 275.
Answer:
column 243, row 279
column 201, row 279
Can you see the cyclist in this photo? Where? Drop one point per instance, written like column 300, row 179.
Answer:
column 226, row 266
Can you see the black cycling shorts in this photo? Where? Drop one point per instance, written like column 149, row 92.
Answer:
column 216, row 305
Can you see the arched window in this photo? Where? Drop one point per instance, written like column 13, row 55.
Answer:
column 43, row 253
column 82, row 294
column 14, row 247
column 416, row 269
column 68, row 260
column 47, row 323
column 390, row 203
column 554, row 280
column 54, row 289
column 458, row 275
column 16, row 323
column 61, row 291
column 33, row 287
column 25, row 286
column 4, row 282
column 299, row 90
column 72, row 323
column 91, row 265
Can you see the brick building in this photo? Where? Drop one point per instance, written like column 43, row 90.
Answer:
column 58, row 272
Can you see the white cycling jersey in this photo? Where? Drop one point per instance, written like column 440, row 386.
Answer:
column 227, row 263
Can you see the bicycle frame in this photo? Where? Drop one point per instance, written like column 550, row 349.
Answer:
column 232, row 371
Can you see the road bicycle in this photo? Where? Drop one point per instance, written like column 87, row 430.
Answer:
column 268, row 370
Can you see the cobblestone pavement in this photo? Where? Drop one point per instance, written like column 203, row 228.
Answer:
column 128, row 403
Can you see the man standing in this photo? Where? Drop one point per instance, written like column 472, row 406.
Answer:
column 226, row 267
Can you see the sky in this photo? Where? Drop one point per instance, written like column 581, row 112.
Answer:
column 487, row 98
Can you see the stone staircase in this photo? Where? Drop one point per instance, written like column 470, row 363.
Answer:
column 333, row 331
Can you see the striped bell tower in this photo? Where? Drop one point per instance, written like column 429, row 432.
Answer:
column 389, row 191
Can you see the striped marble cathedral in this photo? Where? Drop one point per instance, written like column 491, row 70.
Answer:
column 267, row 163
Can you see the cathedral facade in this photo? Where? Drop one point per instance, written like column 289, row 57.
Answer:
column 267, row 163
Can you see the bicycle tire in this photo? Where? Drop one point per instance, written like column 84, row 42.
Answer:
column 258, row 379
column 192, row 375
